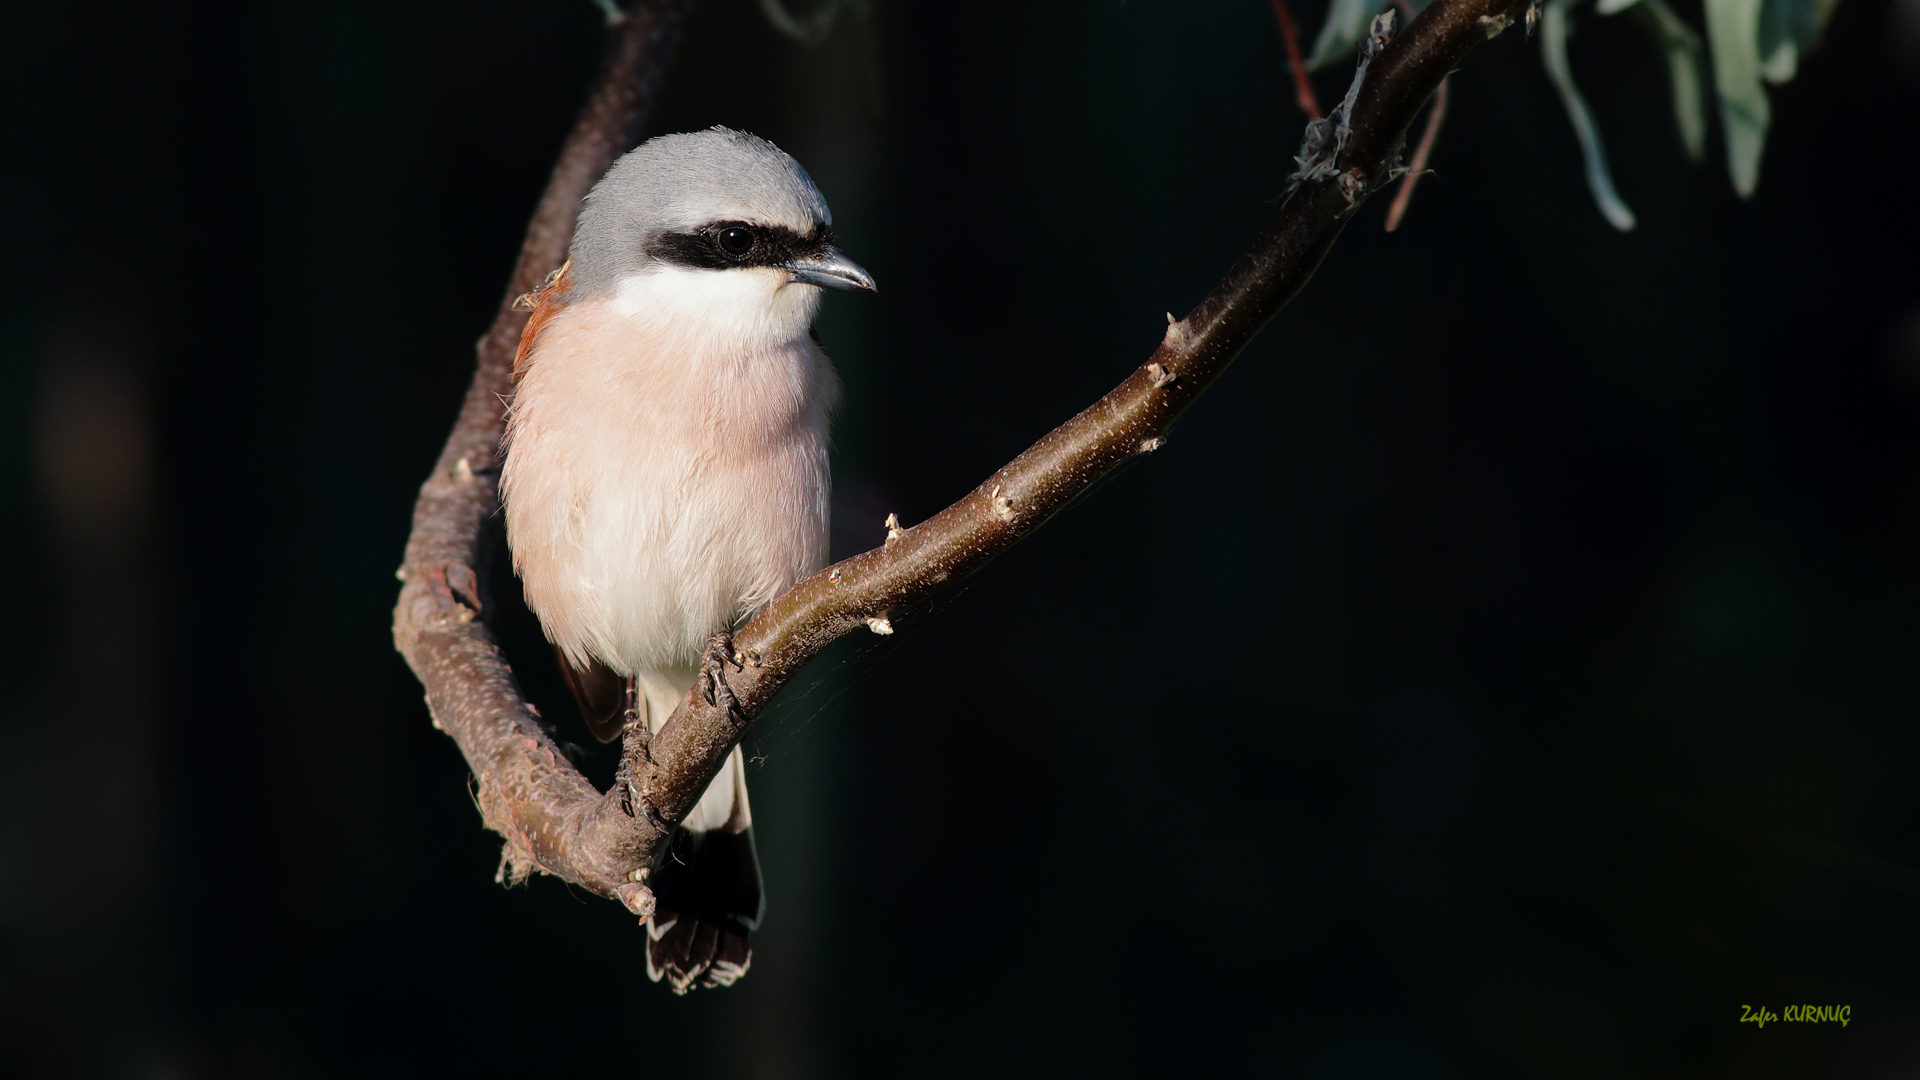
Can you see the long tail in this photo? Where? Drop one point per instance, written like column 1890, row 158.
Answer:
column 707, row 893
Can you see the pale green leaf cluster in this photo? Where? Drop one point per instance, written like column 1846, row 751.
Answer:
column 1346, row 24
column 1752, row 42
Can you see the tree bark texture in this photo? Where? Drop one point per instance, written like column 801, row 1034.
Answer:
column 552, row 818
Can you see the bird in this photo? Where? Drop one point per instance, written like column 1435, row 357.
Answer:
column 666, row 469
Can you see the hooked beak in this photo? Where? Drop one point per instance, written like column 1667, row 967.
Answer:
column 831, row 269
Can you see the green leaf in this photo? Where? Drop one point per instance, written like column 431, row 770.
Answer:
column 1555, row 27
column 1733, row 32
column 1788, row 28
column 1754, row 40
column 1684, row 51
column 1346, row 24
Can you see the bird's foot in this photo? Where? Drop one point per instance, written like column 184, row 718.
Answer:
column 636, row 742
column 713, row 676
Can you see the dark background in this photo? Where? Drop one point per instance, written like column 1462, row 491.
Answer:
column 1508, row 670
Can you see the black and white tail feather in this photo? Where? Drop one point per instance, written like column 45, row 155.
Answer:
column 707, row 893
column 708, row 901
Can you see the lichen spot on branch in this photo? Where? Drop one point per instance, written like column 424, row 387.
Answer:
column 1320, row 147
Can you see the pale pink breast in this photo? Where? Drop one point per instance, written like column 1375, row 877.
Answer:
column 658, row 483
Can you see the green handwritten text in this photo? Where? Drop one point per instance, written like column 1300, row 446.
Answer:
column 1797, row 1014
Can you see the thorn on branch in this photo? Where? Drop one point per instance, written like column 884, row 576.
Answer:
column 880, row 624
column 894, row 531
column 1176, row 330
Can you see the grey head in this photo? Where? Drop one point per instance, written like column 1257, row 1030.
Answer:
column 714, row 200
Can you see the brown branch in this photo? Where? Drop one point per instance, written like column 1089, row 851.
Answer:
column 1302, row 86
column 527, row 790
column 1124, row 424
column 1418, row 166
column 551, row 816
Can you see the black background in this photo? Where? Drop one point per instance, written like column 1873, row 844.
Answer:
column 1508, row 670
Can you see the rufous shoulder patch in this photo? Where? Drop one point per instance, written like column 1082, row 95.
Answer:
column 545, row 303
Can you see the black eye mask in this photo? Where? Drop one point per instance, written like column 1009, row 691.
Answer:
column 723, row 245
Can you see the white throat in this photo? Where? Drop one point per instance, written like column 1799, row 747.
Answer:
column 748, row 308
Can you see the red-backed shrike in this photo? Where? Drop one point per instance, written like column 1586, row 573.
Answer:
column 666, row 468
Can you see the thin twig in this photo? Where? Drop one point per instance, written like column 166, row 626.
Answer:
column 1302, row 86
column 1418, row 167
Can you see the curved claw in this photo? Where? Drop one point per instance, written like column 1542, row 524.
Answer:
column 713, row 676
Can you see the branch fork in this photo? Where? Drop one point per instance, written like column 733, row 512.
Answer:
column 553, row 819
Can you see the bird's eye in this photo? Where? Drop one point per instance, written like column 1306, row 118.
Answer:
column 736, row 241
